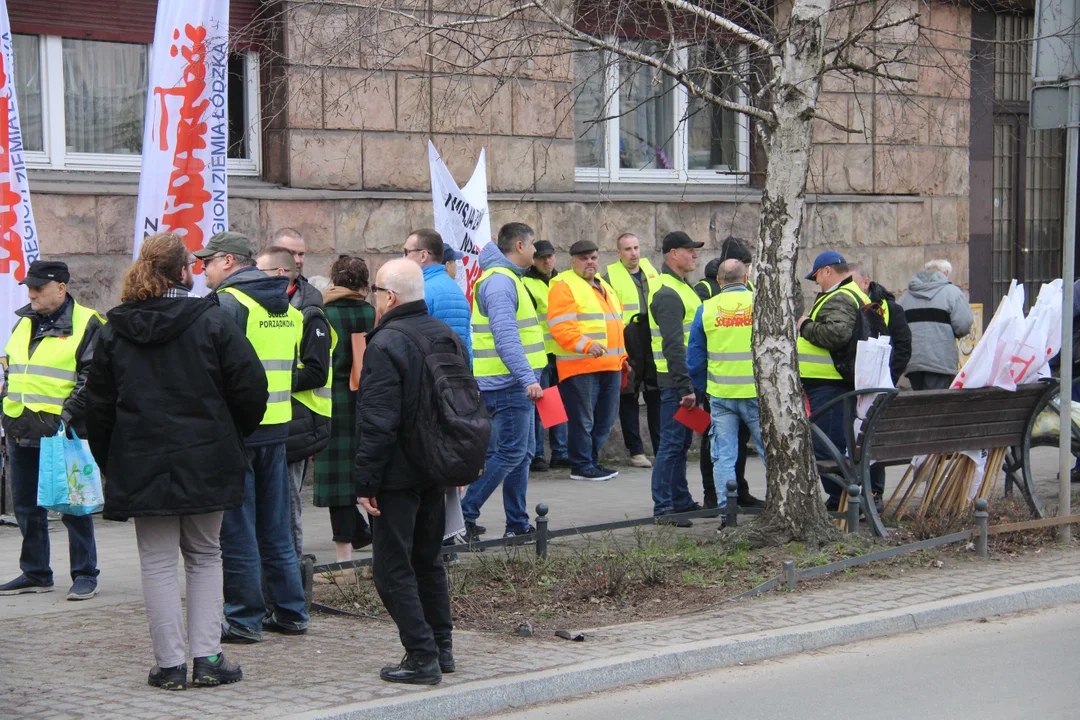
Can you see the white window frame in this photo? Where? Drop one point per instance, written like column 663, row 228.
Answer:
column 55, row 156
column 681, row 174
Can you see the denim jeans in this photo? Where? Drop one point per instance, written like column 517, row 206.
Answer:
column 832, row 424
column 257, row 546
column 34, row 524
column 727, row 413
column 509, row 453
column 669, row 490
column 630, row 420
column 592, row 404
column 557, row 434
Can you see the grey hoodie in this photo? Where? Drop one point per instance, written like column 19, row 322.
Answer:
column 938, row 314
column 498, row 301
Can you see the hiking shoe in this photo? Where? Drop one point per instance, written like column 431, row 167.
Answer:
column 559, row 462
column 285, row 627
column 208, row 674
column 170, row 678
column 473, row 532
column 23, row 584
column 84, row 588
column 593, row 474
column 238, row 636
column 413, row 672
column 446, row 660
column 538, row 464
column 640, row 461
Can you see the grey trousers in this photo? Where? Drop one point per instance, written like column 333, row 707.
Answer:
column 296, row 483
column 196, row 536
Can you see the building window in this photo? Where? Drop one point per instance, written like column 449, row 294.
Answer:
column 82, row 104
column 634, row 123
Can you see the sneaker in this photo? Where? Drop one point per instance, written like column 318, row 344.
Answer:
column 678, row 522
column 538, row 464
column 446, row 660
column 605, row 468
column 520, row 533
column 84, row 588
column 559, row 462
column 285, row 627
column 473, row 532
column 640, row 461
column 593, row 474
column 170, row 678
column 238, row 636
column 209, row 674
column 413, row 672
column 693, row 507
column 23, row 584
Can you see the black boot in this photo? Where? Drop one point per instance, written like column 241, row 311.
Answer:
column 745, row 498
column 413, row 672
column 446, row 659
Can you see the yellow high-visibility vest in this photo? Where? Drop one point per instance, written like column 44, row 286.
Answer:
column 626, row 289
column 43, row 381
column 815, row 363
column 276, row 339
column 728, row 322
column 319, row 400
column 538, row 290
column 691, row 302
column 486, row 360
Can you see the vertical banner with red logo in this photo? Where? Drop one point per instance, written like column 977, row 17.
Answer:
column 18, row 236
column 461, row 215
column 184, row 183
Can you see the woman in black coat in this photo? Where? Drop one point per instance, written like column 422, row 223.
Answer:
column 173, row 388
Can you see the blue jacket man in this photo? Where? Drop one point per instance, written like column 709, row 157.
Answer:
column 445, row 300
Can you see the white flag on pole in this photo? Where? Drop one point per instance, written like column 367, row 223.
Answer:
column 184, row 183
column 461, row 215
column 18, row 235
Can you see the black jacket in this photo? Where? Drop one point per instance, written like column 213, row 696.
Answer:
column 28, row 429
column 270, row 292
column 388, row 399
column 173, row 388
column 309, row 432
column 899, row 331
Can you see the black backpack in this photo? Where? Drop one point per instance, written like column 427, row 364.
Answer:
column 450, row 437
column 869, row 323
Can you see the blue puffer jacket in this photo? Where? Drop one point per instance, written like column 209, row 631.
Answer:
column 446, row 302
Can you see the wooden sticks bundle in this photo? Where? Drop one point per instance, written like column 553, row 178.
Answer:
column 947, row 484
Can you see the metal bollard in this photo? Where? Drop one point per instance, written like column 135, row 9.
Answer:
column 731, row 505
column 542, row 531
column 982, row 524
column 853, row 506
column 791, row 575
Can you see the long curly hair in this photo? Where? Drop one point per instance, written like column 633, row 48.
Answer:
column 161, row 262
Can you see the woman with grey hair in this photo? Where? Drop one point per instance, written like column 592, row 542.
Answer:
column 938, row 313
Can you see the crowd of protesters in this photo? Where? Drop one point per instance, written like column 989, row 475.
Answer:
column 205, row 413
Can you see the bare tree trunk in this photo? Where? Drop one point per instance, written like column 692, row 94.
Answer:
column 795, row 510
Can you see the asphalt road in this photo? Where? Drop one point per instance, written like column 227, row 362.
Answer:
column 1015, row 667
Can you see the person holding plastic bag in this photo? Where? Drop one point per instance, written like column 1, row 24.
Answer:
column 49, row 355
column 173, row 388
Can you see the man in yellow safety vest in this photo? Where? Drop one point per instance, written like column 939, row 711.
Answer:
column 256, row 542
column 48, row 357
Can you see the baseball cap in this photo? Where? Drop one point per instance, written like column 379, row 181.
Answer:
column 543, row 248
column 829, row 257
column 449, row 254
column 43, row 272
column 679, row 239
column 226, row 242
column 583, row 247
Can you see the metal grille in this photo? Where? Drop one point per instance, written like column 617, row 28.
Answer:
column 1012, row 57
column 1044, row 199
column 1004, row 225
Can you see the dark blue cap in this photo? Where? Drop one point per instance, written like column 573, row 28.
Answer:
column 449, row 254
column 829, row 257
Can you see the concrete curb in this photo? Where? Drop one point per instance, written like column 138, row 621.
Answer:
column 506, row 693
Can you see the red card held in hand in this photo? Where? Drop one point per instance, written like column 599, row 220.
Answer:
column 551, row 409
column 694, row 418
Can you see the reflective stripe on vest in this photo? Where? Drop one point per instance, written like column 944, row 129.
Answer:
column 319, row 400
column 44, row 381
column 691, row 302
column 591, row 318
column 486, row 359
column 728, row 322
column 538, row 291
column 815, row 363
column 276, row 339
column 626, row 289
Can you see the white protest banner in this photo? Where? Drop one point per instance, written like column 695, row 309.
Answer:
column 183, row 186
column 18, row 235
column 461, row 215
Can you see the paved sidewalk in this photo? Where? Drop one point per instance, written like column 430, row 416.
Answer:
column 93, row 662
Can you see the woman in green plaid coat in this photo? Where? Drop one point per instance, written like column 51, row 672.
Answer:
column 349, row 313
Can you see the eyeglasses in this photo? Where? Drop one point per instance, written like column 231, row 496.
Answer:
column 376, row 288
column 212, row 258
column 273, row 271
column 409, row 251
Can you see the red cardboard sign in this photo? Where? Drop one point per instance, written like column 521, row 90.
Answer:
column 694, row 418
column 551, row 409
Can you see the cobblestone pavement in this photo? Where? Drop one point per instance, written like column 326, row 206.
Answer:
column 92, row 661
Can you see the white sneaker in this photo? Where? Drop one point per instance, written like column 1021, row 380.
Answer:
column 640, row 461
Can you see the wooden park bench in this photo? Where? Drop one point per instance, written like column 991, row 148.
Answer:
column 902, row 425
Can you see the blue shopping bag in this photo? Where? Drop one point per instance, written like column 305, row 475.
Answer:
column 68, row 478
